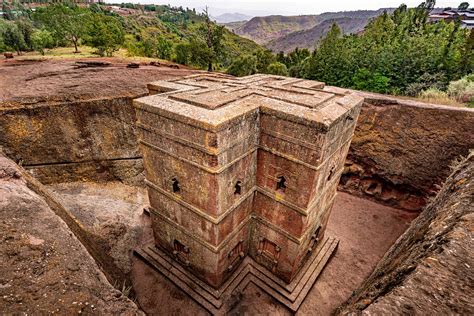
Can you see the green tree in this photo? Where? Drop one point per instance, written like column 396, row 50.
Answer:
column 243, row 66
column 264, row 59
column 296, row 57
column 41, row 39
column 3, row 46
column 332, row 61
column 464, row 6
column 164, row 48
column 368, row 81
column 200, row 54
column 397, row 53
column 13, row 38
column 182, row 52
column 213, row 34
column 281, row 58
column 26, row 29
column 65, row 22
column 105, row 33
column 277, row 68
column 148, row 41
column 134, row 46
column 467, row 55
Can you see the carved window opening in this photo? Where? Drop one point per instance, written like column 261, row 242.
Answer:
column 269, row 253
column 235, row 255
column 281, row 183
column 181, row 252
column 175, row 185
column 238, row 188
column 331, row 173
column 314, row 239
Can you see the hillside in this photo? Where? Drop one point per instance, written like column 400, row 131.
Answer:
column 309, row 38
column 264, row 29
column 232, row 17
column 290, row 30
column 185, row 31
column 154, row 31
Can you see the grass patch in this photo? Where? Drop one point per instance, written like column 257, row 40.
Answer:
column 84, row 52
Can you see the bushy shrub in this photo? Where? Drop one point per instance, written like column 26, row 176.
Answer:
column 243, row 66
column 366, row 80
column 13, row 38
column 425, row 82
column 435, row 95
column 470, row 77
column 42, row 39
column 277, row 68
column 134, row 46
column 182, row 52
column 462, row 90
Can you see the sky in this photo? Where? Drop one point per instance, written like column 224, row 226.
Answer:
column 287, row 7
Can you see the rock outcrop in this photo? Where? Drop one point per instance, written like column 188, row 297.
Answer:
column 429, row 268
column 402, row 149
column 65, row 122
column 45, row 268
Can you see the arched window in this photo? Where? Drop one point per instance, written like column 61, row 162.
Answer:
column 331, row 173
column 175, row 185
column 281, row 183
column 238, row 188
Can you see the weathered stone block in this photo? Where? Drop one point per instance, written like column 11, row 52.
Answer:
column 239, row 167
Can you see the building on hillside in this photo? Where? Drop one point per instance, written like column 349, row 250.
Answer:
column 466, row 17
column 468, row 24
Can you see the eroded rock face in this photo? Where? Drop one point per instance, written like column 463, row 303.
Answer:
column 429, row 269
column 65, row 123
column 111, row 215
column 59, row 141
column 401, row 150
column 44, row 268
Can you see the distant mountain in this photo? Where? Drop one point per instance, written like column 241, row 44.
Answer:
column 284, row 33
column 309, row 38
column 232, row 17
column 264, row 29
column 232, row 26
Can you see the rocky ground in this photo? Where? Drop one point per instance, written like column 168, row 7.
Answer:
column 36, row 81
column 44, row 268
column 111, row 212
column 430, row 268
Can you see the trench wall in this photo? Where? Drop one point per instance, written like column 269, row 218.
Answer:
column 85, row 140
column 402, row 149
column 399, row 155
column 429, row 268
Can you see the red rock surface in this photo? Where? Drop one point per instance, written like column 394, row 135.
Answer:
column 31, row 83
column 44, row 268
column 430, row 267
